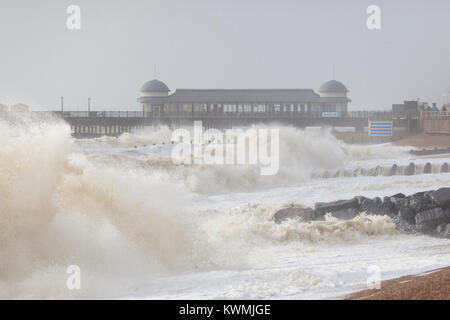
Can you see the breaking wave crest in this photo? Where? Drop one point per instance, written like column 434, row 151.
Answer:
column 302, row 153
column 256, row 219
column 58, row 209
column 247, row 235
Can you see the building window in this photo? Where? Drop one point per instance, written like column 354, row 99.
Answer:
column 229, row 108
column 260, row 107
column 186, row 107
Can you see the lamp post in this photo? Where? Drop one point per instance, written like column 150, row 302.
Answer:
column 89, row 106
column 62, row 104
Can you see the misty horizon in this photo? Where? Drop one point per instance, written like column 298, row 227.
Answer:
column 212, row 45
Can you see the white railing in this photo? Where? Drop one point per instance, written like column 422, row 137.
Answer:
column 435, row 115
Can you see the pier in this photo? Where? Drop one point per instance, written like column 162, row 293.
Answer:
column 227, row 108
column 114, row 123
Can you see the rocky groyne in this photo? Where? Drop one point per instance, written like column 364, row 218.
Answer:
column 426, row 212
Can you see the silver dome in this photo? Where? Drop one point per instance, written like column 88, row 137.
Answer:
column 334, row 87
column 155, row 86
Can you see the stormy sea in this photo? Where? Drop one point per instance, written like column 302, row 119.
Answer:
column 139, row 226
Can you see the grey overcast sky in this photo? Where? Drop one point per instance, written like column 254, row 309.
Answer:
column 221, row 44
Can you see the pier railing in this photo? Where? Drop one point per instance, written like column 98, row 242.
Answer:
column 100, row 114
column 373, row 115
column 435, row 115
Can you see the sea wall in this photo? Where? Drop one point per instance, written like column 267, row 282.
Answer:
column 441, row 126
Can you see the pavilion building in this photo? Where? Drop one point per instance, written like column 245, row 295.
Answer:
column 330, row 101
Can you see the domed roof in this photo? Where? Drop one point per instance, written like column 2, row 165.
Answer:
column 333, row 86
column 154, row 86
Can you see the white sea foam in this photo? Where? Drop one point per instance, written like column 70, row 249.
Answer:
column 302, row 153
column 139, row 226
column 59, row 209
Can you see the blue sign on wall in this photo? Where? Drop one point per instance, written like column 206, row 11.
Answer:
column 380, row 128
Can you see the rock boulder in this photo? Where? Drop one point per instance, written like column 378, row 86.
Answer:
column 322, row 208
column 305, row 214
column 441, row 197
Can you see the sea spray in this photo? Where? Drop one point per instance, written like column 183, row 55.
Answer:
column 32, row 163
column 303, row 153
column 122, row 212
column 58, row 209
